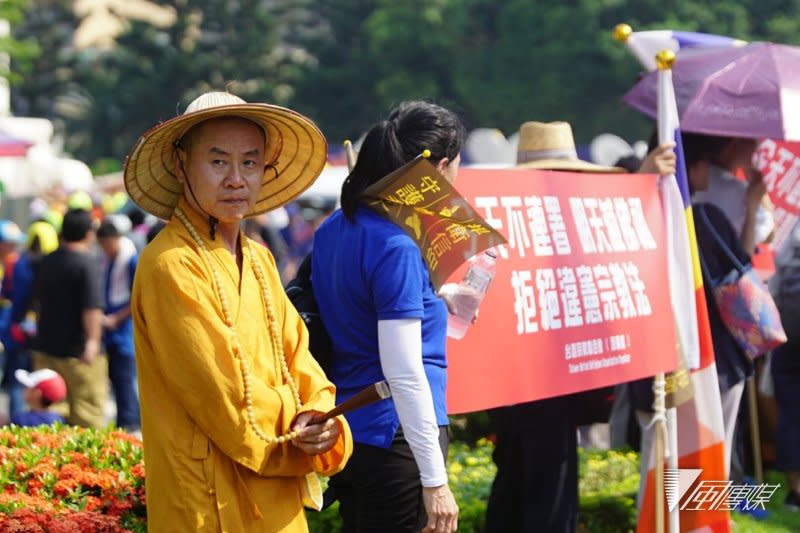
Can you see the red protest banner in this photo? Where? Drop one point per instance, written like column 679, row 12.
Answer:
column 779, row 163
column 580, row 299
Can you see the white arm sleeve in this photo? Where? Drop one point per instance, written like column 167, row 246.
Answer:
column 400, row 347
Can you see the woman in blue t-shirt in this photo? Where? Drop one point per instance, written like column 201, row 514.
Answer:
column 386, row 322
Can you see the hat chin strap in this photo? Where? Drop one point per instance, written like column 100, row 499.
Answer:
column 212, row 221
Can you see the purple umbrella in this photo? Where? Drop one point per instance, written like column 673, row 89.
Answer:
column 13, row 147
column 748, row 91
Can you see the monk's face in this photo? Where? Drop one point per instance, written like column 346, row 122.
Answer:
column 223, row 161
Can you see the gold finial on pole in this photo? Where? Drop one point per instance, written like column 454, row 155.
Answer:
column 622, row 32
column 350, row 154
column 426, row 153
column 665, row 59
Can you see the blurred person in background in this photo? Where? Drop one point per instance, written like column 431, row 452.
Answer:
column 786, row 378
column 118, row 268
column 68, row 291
column 81, row 200
column 749, row 211
column 271, row 223
column 386, row 321
column 254, row 230
column 42, row 389
column 732, row 215
column 154, row 231
column 744, row 202
column 316, row 209
column 42, row 239
column 785, row 366
column 732, row 365
column 10, row 237
column 298, row 234
column 139, row 228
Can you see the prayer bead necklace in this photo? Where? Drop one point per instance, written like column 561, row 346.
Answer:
column 277, row 346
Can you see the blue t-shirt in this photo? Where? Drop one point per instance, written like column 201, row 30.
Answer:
column 36, row 418
column 362, row 272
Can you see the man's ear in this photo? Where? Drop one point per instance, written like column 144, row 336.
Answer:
column 442, row 164
column 178, row 162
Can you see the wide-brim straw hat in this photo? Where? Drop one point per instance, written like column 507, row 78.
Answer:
column 295, row 146
column 551, row 146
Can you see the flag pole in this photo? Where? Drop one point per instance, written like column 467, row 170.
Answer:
column 659, row 430
column 671, row 430
column 668, row 417
column 658, row 423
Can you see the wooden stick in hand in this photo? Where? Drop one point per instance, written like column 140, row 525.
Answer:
column 373, row 393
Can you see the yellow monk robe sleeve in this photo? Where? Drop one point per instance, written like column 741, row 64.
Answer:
column 181, row 334
column 316, row 391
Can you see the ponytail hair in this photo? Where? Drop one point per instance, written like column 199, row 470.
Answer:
column 411, row 127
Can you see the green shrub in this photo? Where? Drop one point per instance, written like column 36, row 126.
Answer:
column 609, row 482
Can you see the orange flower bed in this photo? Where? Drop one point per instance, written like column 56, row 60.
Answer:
column 58, row 479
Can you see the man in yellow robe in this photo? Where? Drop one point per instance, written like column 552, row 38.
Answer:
column 227, row 384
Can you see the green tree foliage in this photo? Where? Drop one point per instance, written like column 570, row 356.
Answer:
column 47, row 77
column 12, row 10
column 21, row 51
column 336, row 88
column 501, row 63
column 151, row 74
column 532, row 62
column 346, row 62
column 372, row 54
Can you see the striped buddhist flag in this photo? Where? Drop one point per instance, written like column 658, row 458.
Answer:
column 646, row 44
column 701, row 434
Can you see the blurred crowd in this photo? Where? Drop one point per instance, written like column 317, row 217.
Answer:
column 42, row 310
column 67, row 333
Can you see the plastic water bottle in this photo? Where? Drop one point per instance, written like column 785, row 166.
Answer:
column 470, row 293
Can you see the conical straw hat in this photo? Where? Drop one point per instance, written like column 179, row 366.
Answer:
column 295, row 146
